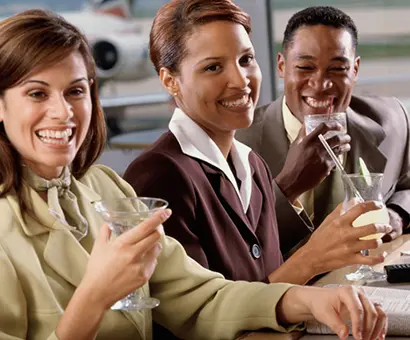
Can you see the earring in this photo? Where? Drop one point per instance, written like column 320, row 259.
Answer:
column 175, row 94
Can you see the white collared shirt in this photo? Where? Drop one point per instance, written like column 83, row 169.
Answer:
column 195, row 142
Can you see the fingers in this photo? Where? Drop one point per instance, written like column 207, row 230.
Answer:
column 145, row 228
column 325, row 127
column 104, row 234
column 339, row 140
column 370, row 317
column 380, row 328
column 350, row 298
column 371, row 229
column 360, row 209
column 338, row 326
column 147, row 243
column 390, row 237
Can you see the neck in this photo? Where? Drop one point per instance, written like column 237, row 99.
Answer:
column 48, row 173
column 223, row 141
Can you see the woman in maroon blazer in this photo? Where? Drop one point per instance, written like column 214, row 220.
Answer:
column 219, row 190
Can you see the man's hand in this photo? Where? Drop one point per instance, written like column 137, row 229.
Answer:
column 308, row 163
column 397, row 223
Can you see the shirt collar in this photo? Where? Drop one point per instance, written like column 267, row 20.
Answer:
column 195, row 142
column 291, row 123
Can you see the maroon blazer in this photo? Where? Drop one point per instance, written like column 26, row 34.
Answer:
column 208, row 217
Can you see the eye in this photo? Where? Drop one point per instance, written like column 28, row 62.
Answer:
column 213, row 68
column 37, row 94
column 247, row 59
column 76, row 92
column 304, row 68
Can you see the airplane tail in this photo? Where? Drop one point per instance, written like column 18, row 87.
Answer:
column 119, row 8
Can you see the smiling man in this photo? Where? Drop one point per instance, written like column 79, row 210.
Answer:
column 319, row 65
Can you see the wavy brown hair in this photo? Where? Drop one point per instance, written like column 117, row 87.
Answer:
column 175, row 22
column 30, row 42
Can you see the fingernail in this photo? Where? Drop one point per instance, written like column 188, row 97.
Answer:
column 383, row 228
column 166, row 213
column 378, row 204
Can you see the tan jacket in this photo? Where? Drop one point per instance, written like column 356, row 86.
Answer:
column 41, row 264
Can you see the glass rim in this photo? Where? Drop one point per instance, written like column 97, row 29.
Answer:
column 371, row 174
column 320, row 115
column 120, row 212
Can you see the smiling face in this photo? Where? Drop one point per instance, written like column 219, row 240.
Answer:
column 219, row 80
column 47, row 116
column 319, row 69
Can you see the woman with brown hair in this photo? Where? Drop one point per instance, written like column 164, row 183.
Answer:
column 220, row 191
column 60, row 271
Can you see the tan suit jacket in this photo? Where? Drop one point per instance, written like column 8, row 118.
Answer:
column 42, row 263
column 379, row 127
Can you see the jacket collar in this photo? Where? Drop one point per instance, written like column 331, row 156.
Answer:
column 195, row 143
column 43, row 221
column 367, row 135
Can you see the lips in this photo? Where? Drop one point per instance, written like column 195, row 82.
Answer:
column 314, row 103
column 243, row 101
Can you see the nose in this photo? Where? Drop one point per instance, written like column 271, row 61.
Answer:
column 238, row 77
column 60, row 108
column 320, row 82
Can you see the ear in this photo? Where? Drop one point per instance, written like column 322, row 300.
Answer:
column 280, row 62
column 356, row 67
column 169, row 81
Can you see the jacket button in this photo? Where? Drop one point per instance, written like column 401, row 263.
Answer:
column 256, row 251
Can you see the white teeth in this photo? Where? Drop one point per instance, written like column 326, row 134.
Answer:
column 55, row 137
column 53, row 141
column 239, row 102
column 318, row 104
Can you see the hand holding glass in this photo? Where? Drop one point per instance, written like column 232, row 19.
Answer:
column 121, row 215
column 369, row 187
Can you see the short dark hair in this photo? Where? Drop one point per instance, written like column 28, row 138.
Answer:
column 175, row 21
column 319, row 15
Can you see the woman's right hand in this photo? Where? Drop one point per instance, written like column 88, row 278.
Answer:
column 336, row 243
column 118, row 267
column 333, row 307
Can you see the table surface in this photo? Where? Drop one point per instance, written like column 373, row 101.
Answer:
column 392, row 252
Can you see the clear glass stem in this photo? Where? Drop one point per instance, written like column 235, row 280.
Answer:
column 365, row 272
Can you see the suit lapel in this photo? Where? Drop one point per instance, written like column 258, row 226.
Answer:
column 224, row 189
column 367, row 135
column 274, row 134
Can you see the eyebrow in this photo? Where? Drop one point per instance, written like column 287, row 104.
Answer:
column 47, row 84
column 309, row 57
column 246, row 50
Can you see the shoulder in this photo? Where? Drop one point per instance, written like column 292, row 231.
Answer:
column 378, row 106
column 263, row 115
column 8, row 206
column 104, row 181
column 164, row 158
